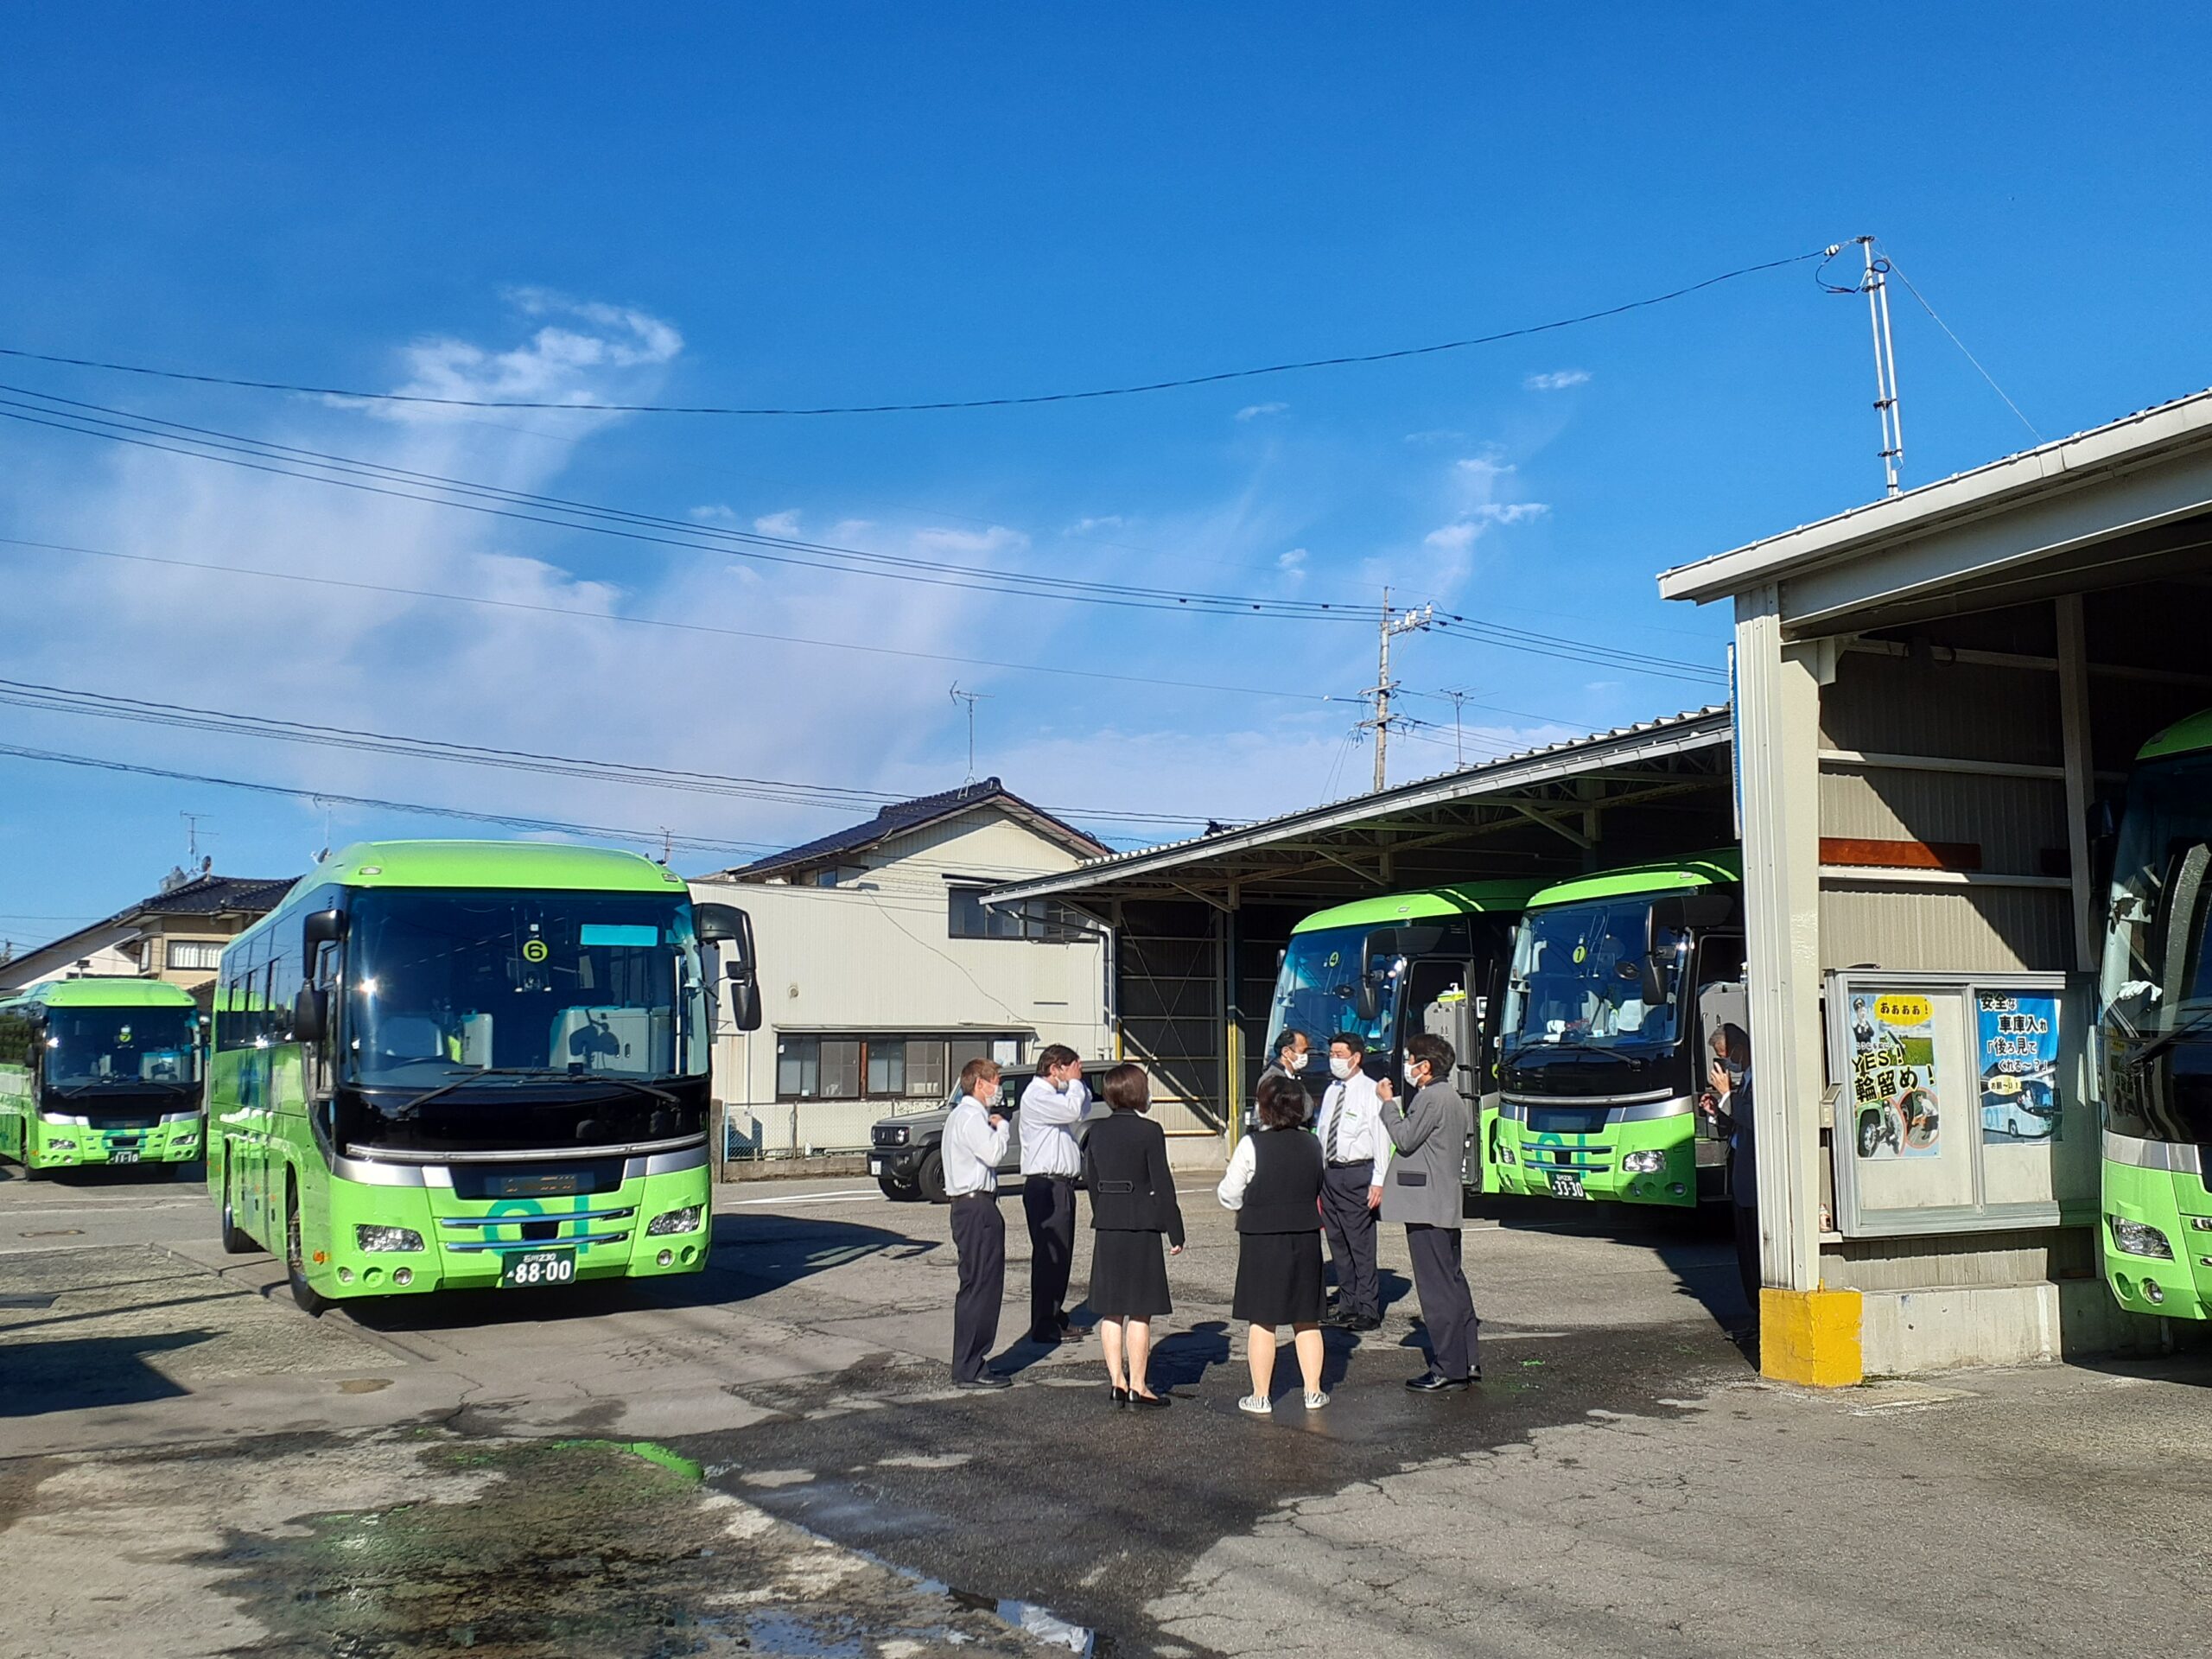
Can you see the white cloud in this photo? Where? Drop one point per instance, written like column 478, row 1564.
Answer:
column 786, row 523
column 1452, row 538
column 1293, row 566
column 715, row 512
column 1557, row 380
column 1105, row 521
column 1512, row 513
column 1482, row 471
column 1257, row 412
column 972, row 544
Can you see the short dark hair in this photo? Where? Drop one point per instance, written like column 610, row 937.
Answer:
column 1428, row 1046
column 1054, row 1054
column 1281, row 1103
column 1351, row 1040
column 1288, row 1037
column 974, row 1073
column 1126, row 1089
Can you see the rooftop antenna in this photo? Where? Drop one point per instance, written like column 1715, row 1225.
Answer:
column 971, row 698
column 1459, row 747
column 667, row 845
column 1380, row 724
column 192, row 836
column 1874, row 283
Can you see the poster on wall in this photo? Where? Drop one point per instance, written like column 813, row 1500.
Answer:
column 2018, row 1052
column 1893, row 1086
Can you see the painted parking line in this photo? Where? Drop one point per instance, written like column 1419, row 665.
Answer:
column 843, row 1195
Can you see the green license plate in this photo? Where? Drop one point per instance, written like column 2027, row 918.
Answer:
column 532, row 1269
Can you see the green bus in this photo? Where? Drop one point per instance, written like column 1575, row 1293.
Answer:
column 448, row 1064
column 99, row 1071
column 2155, row 1033
column 1390, row 967
column 1617, row 983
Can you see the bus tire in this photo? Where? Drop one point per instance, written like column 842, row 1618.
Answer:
column 311, row 1301
column 235, row 1242
column 932, row 1178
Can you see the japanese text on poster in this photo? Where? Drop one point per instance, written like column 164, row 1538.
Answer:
column 2018, row 1037
column 1893, row 1087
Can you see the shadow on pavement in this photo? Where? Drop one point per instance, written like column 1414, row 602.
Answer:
column 1698, row 1246
column 72, row 1373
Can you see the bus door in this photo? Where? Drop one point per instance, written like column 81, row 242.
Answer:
column 1723, row 999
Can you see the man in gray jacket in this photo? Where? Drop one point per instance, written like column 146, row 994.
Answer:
column 1430, row 1132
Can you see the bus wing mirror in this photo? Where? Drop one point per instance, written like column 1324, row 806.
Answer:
column 322, row 927
column 722, row 924
column 1654, row 985
column 744, row 999
column 310, row 1014
column 1366, row 1000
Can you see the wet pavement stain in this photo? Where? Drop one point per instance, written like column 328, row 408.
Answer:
column 1045, row 1494
column 581, row 1547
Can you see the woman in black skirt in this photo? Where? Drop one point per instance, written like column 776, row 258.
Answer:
column 1274, row 1184
column 1132, row 1205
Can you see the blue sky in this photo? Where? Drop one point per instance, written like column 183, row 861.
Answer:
column 824, row 204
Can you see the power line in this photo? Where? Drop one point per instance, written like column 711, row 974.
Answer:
column 1961, row 345
column 1030, row 399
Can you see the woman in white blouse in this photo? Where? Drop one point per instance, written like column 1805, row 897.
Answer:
column 1274, row 1184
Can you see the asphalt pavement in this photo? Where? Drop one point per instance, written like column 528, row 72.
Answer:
column 768, row 1458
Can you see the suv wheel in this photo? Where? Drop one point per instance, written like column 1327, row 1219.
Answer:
column 898, row 1191
column 932, row 1177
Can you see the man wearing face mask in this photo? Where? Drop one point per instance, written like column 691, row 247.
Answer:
column 1293, row 1053
column 1356, row 1153
column 1727, row 1101
column 1430, row 1130
column 1051, row 1106
column 974, row 1142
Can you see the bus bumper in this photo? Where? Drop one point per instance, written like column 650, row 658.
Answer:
column 1648, row 1161
column 2148, row 1212
column 75, row 1145
column 390, row 1240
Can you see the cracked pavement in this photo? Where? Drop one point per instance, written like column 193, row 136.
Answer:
column 176, row 1441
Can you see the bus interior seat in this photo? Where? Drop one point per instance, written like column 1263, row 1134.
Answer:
column 409, row 1037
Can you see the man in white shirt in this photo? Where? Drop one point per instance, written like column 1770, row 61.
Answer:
column 1358, row 1153
column 1051, row 1106
column 974, row 1142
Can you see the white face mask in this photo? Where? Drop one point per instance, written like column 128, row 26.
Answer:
column 1294, row 1062
column 1341, row 1068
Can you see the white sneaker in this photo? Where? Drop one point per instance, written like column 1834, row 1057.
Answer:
column 1317, row 1399
column 1257, row 1404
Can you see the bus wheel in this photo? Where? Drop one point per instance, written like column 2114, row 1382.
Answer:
column 234, row 1241
column 932, row 1178
column 295, row 1268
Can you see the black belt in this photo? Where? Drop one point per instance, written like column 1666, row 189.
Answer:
column 1355, row 1163
column 988, row 1192
column 1040, row 1176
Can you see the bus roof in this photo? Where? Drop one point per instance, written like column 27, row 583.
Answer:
column 109, row 991
column 493, row 864
column 1720, row 868
column 1463, row 899
column 2183, row 737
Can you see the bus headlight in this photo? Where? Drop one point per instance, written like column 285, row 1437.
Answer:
column 387, row 1238
column 685, row 1220
column 2133, row 1238
column 1644, row 1163
column 1505, row 1155
column 62, row 1146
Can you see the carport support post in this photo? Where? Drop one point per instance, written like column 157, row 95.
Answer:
column 1808, row 1335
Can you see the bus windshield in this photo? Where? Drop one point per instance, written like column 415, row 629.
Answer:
column 1317, row 984
column 440, row 984
column 1580, row 979
column 89, row 1049
column 2157, row 983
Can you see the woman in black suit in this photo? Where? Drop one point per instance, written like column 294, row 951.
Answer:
column 1132, row 1205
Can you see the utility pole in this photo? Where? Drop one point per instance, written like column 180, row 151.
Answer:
column 971, row 698
column 1875, row 285
column 1412, row 621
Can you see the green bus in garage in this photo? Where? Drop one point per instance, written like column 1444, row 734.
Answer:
column 99, row 1071
column 1390, row 967
column 2155, row 1033
column 448, row 1064
column 1617, row 984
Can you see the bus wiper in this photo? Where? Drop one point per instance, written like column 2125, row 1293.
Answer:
column 564, row 1074
column 91, row 1083
column 2165, row 1040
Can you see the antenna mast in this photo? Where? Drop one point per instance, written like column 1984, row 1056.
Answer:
column 1875, row 285
column 1410, row 622
column 971, row 698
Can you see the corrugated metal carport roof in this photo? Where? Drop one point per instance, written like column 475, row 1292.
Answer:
column 1525, row 814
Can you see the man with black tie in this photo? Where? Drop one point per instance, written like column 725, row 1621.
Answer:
column 1356, row 1153
column 974, row 1140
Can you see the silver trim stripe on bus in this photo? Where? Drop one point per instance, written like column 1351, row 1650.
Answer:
column 2175, row 1157
column 1619, row 1108
column 453, row 1248
column 641, row 1159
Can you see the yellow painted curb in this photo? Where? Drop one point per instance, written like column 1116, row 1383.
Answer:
column 1811, row 1337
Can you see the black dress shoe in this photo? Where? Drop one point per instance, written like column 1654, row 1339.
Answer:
column 1365, row 1322
column 988, row 1380
column 1432, row 1383
column 1150, row 1402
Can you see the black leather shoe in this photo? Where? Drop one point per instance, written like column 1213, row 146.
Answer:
column 988, row 1380
column 1368, row 1322
column 1121, row 1397
column 1151, row 1401
column 1431, row 1383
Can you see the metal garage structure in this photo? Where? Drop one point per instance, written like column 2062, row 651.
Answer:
column 1936, row 695
column 1198, row 925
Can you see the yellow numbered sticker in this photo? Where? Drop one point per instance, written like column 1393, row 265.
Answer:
column 1582, row 953
column 534, row 951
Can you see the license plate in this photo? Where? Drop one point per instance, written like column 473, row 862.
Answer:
column 875, row 1166
column 530, row 1269
column 123, row 1156
column 1567, row 1186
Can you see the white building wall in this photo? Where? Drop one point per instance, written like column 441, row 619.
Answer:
column 874, row 954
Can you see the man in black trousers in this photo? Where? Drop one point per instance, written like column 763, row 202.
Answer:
column 1051, row 1106
column 974, row 1142
column 1357, row 1151
column 1424, row 1191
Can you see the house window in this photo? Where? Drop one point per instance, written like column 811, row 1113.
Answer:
column 1046, row 920
column 926, row 1076
column 880, row 1066
column 799, row 1068
column 196, row 953
column 842, row 1069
